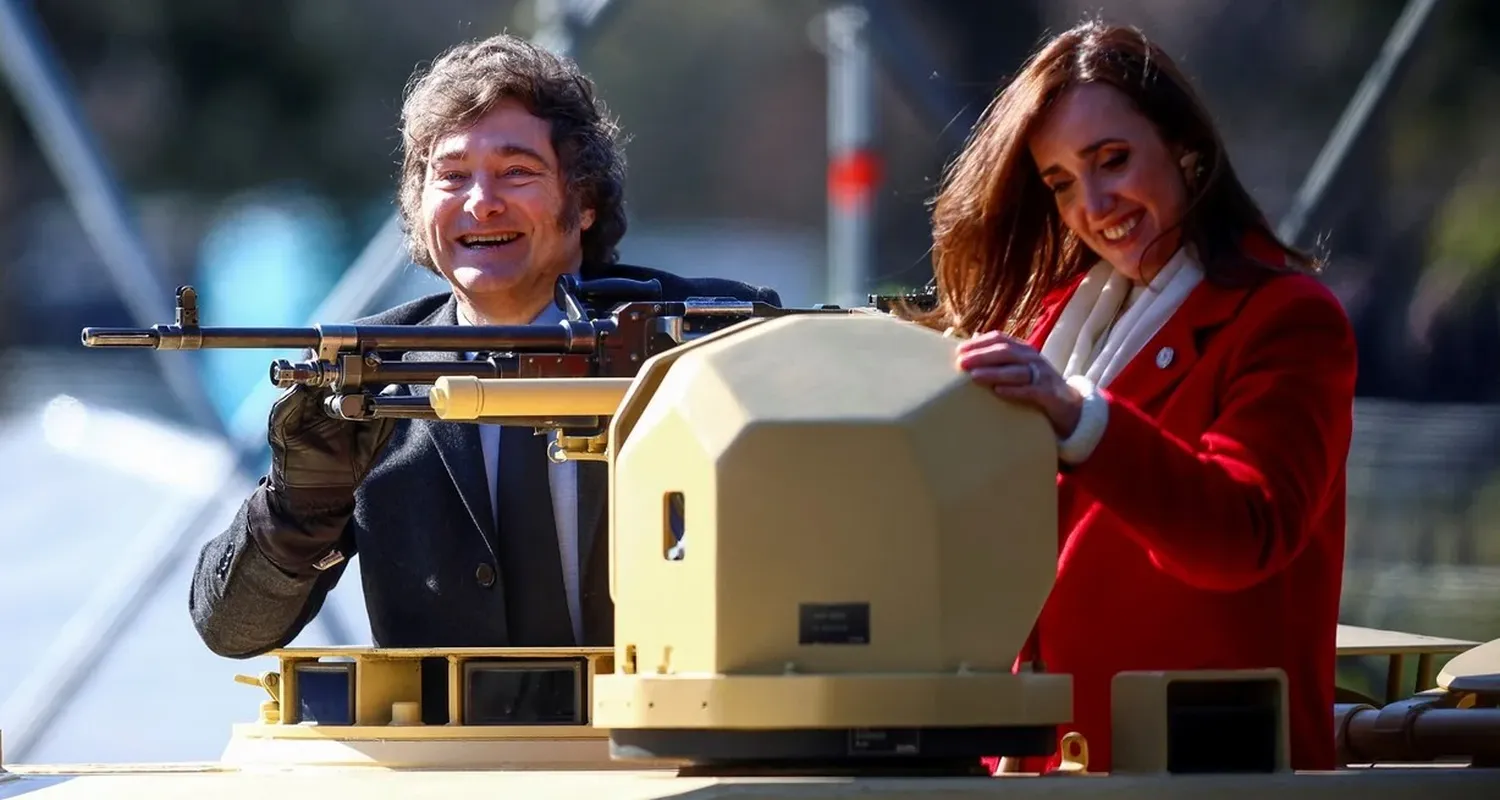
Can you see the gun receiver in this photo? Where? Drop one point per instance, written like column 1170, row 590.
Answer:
column 611, row 326
column 921, row 300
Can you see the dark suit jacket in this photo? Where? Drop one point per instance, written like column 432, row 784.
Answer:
column 420, row 525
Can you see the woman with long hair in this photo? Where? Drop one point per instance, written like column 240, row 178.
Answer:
column 1103, row 264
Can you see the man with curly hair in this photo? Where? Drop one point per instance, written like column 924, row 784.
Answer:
column 511, row 176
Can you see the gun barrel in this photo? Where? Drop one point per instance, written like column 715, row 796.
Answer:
column 1413, row 730
column 173, row 337
column 373, row 407
column 459, row 397
column 566, row 337
column 431, row 371
column 285, row 374
column 119, row 337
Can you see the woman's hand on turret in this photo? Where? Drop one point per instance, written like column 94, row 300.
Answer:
column 1014, row 370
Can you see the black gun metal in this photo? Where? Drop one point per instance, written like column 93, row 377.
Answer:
column 611, row 327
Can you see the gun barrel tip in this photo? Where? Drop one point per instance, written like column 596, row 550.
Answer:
column 115, row 337
column 93, row 337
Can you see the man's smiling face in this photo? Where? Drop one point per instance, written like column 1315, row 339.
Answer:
column 494, row 207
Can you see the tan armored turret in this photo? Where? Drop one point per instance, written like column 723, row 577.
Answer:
column 867, row 536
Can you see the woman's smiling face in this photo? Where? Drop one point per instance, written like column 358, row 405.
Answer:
column 1117, row 184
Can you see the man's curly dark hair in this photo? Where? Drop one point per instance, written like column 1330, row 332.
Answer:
column 467, row 80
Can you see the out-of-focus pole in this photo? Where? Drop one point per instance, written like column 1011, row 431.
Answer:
column 41, row 91
column 559, row 23
column 853, row 166
column 911, row 64
column 554, row 25
column 1372, row 89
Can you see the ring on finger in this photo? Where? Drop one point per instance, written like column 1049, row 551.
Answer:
column 1036, row 374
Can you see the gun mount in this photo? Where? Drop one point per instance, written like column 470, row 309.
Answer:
column 788, row 436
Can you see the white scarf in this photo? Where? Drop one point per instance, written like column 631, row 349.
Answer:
column 1093, row 339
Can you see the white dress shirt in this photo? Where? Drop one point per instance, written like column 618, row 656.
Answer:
column 564, row 482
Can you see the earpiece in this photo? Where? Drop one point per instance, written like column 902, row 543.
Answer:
column 1191, row 169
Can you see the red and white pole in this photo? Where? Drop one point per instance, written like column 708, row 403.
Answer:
column 853, row 165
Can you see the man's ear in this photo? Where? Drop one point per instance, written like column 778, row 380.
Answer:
column 586, row 219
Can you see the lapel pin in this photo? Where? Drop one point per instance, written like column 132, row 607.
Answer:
column 1164, row 357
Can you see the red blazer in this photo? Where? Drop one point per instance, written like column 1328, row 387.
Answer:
column 1206, row 530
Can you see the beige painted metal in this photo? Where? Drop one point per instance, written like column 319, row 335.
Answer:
column 786, row 440
column 464, row 397
column 368, row 784
column 387, row 730
column 1476, row 670
column 1138, row 714
column 455, row 748
column 1354, row 640
column 392, row 676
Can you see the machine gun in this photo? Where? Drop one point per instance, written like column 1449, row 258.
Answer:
column 579, row 368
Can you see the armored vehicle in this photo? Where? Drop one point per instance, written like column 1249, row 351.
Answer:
column 803, row 558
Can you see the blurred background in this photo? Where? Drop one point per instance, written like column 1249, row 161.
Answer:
column 250, row 149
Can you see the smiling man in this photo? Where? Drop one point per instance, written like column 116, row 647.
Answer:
column 511, row 176
column 496, row 213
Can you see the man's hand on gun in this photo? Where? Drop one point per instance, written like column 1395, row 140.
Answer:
column 317, row 463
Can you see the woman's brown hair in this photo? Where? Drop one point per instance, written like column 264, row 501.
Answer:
column 1000, row 247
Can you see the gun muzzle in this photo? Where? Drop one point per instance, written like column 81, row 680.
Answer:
column 462, row 397
column 120, row 337
column 177, row 337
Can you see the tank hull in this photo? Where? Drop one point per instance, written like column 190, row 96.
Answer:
column 192, row 782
